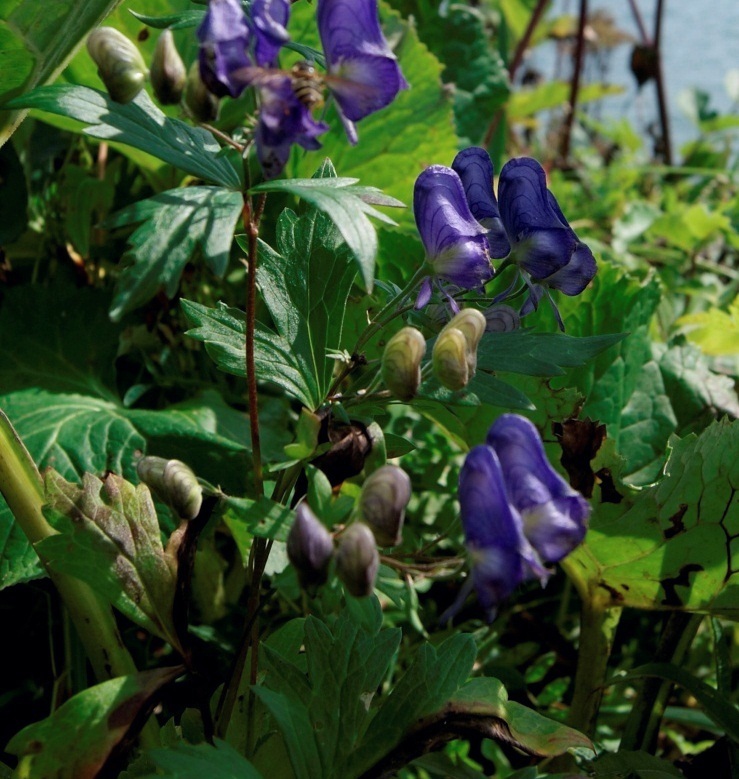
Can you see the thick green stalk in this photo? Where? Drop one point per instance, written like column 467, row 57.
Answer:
column 22, row 488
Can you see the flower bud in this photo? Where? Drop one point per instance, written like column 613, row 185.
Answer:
column 385, row 494
column 202, row 104
column 309, row 547
column 455, row 361
column 501, row 319
column 449, row 359
column 357, row 560
column 174, row 482
column 401, row 362
column 120, row 64
column 168, row 72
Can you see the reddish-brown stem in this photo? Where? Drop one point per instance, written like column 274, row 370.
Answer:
column 564, row 152
column 640, row 23
column 661, row 91
column 251, row 225
column 523, row 44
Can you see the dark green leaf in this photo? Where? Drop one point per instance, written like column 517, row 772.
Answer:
column 634, row 765
column 348, row 210
column 59, row 747
column 176, row 225
column 263, row 518
column 58, row 339
column 13, row 196
column 139, row 124
column 434, row 676
column 37, row 41
column 718, row 707
column 540, row 354
column 297, row 730
column 197, row 761
column 178, row 21
column 223, row 330
column 109, row 537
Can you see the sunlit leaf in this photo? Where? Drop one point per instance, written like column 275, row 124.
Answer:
column 59, row 747
column 109, row 537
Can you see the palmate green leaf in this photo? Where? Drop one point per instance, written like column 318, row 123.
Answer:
column 109, row 538
column 434, row 676
column 75, row 741
column 482, row 389
column 37, row 41
column 223, row 330
column 347, row 207
column 177, row 225
column 330, row 704
column 77, row 433
column 697, row 394
column 635, row 765
column 218, row 760
column 674, row 545
column 139, row 124
column 624, row 386
column 307, row 311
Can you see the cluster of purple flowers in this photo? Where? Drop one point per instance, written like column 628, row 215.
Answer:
column 239, row 50
column 463, row 227
column 518, row 513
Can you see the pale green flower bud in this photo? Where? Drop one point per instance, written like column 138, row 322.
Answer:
column 385, row 495
column 202, row 104
column 120, row 64
column 357, row 560
column 174, row 482
column 401, row 362
column 309, row 547
column 168, row 72
column 449, row 359
column 449, row 352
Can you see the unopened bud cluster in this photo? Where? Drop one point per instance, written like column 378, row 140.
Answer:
column 124, row 73
column 454, row 357
column 382, row 504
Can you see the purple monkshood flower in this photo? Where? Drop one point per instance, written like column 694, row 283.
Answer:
column 517, row 512
column 231, row 42
column 554, row 514
column 283, row 121
column 455, row 243
column 224, row 39
column 364, row 75
column 543, row 243
column 502, row 557
column 267, row 22
column 475, row 168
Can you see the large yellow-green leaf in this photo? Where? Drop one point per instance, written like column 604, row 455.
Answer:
column 37, row 40
column 674, row 545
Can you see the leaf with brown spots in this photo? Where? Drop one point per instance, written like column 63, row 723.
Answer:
column 675, row 544
column 77, row 740
column 109, row 537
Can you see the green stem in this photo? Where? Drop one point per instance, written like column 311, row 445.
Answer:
column 379, row 319
column 642, row 726
column 22, row 488
column 598, row 624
